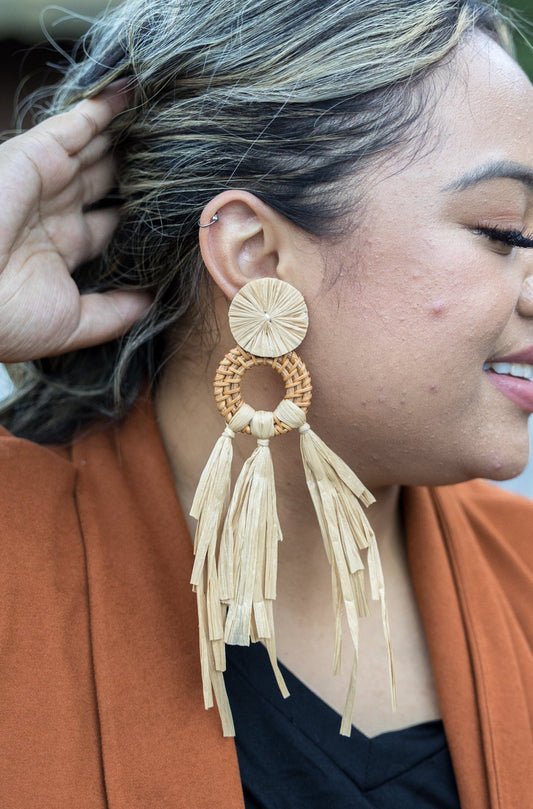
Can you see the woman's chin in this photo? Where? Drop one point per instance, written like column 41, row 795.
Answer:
column 499, row 453
column 505, row 466
column 496, row 466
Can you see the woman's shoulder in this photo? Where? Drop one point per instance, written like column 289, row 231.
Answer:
column 490, row 506
column 28, row 469
column 483, row 527
column 500, row 523
column 37, row 500
column 488, row 493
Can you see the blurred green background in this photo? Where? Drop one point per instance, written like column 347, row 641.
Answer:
column 24, row 20
column 524, row 50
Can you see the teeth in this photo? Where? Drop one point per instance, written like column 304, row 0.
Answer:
column 519, row 369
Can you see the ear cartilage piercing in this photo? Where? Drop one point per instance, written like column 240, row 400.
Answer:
column 208, row 224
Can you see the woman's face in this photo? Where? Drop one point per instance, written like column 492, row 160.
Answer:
column 424, row 298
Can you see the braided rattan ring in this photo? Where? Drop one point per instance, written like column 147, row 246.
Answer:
column 228, row 378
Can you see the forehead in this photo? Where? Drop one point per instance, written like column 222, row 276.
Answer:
column 486, row 110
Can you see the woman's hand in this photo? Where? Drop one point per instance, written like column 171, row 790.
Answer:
column 47, row 177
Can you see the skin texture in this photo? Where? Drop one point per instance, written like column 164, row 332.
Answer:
column 395, row 347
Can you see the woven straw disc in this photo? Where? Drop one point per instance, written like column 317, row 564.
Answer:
column 228, row 378
column 268, row 317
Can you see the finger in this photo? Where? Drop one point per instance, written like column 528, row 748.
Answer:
column 97, row 231
column 75, row 129
column 94, row 151
column 98, row 180
column 106, row 315
column 101, row 226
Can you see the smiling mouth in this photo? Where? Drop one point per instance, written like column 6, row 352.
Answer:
column 519, row 370
column 514, row 380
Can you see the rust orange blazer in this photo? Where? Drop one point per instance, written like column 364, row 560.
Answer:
column 100, row 693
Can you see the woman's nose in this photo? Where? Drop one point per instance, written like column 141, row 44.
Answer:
column 525, row 301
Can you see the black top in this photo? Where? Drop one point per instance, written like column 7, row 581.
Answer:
column 291, row 755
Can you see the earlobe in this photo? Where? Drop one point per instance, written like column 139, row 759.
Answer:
column 239, row 240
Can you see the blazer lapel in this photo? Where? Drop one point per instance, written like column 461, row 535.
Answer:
column 160, row 748
column 480, row 656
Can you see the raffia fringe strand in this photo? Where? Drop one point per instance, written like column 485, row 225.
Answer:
column 235, row 568
column 335, row 491
column 253, row 530
column 209, row 507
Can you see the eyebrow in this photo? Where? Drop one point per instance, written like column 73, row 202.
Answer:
column 497, row 169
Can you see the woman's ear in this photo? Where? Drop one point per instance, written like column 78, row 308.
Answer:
column 245, row 240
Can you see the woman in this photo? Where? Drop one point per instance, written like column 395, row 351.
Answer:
column 376, row 156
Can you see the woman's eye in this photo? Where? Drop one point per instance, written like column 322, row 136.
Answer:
column 498, row 242
column 504, row 241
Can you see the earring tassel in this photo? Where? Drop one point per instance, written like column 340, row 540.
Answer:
column 209, row 507
column 212, row 677
column 335, row 491
column 251, row 533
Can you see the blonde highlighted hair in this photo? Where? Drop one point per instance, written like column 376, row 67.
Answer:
column 284, row 98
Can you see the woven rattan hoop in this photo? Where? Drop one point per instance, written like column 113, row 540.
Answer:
column 228, row 379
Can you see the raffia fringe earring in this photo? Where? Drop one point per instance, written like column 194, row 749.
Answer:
column 235, row 546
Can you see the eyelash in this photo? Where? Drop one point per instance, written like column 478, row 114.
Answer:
column 512, row 238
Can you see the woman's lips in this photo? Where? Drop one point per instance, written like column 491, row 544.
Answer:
column 516, row 388
column 526, row 356
column 519, row 391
